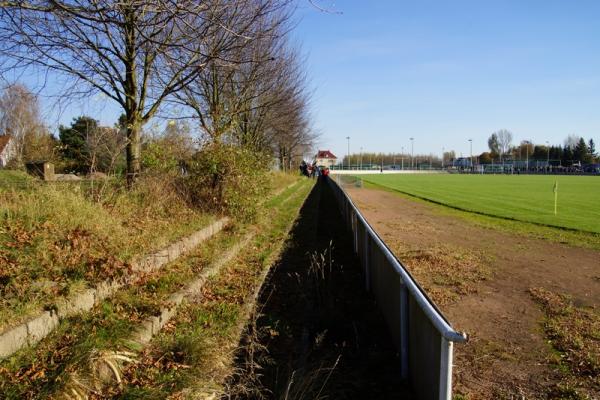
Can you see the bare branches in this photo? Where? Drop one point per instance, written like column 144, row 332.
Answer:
column 225, row 60
column 323, row 9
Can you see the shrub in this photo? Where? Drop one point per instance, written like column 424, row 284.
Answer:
column 227, row 179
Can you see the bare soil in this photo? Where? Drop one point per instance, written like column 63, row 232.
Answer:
column 508, row 355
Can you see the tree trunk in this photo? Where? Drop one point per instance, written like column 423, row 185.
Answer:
column 132, row 107
column 133, row 151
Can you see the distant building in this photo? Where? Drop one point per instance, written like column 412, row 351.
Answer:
column 462, row 162
column 8, row 150
column 325, row 158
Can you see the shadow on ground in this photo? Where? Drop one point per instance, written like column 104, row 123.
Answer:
column 317, row 333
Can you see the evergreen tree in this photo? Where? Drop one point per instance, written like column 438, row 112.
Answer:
column 556, row 153
column 73, row 140
column 567, row 156
column 592, row 148
column 581, row 152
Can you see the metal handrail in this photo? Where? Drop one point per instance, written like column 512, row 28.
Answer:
column 431, row 310
column 423, row 336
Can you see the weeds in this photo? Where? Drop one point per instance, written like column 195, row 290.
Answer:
column 320, row 268
column 53, row 236
column 574, row 333
column 88, row 352
column 201, row 340
column 445, row 273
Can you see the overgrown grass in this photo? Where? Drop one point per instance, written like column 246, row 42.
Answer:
column 59, row 237
column 195, row 353
column 40, row 372
column 43, row 370
column 53, row 237
column 32, row 373
column 574, row 334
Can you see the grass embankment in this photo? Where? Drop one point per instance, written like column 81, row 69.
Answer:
column 573, row 332
column 87, row 343
column 194, row 356
column 55, row 239
column 527, row 198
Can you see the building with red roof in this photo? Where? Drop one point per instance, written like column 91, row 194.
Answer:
column 325, row 158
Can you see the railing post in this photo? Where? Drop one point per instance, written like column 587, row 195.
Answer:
column 420, row 324
column 445, row 386
column 367, row 261
column 355, row 221
column 404, row 321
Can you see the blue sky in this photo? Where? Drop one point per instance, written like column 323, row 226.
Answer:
column 443, row 72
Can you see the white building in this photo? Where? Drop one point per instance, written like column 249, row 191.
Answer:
column 325, row 158
column 8, row 150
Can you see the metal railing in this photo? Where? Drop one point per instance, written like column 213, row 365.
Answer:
column 422, row 335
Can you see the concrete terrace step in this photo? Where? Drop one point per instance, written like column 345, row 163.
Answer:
column 38, row 327
column 152, row 325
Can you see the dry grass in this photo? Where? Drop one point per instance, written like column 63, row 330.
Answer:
column 574, row 334
column 446, row 273
column 86, row 351
column 83, row 357
column 53, row 238
column 193, row 355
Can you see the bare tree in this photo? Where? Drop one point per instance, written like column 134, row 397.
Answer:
column 255, row 94
column 136, row 52
column 105, row 146
column 504, row 140
column 237, row 87
column 20, row 118
column 572, row 140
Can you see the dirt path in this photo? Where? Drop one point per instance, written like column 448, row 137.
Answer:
column 507, row 355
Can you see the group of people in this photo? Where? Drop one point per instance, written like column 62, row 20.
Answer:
column 312, row 170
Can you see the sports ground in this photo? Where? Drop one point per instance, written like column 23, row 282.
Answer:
column 526, row 294
column 528, row 198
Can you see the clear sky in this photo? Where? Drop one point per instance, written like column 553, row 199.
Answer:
column 446, row 71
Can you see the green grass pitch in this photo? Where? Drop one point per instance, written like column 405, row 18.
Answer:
column 528, row 198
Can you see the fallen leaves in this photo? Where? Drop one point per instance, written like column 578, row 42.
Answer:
column 575, row 333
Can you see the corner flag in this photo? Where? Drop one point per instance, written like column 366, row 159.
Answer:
column 555, row 190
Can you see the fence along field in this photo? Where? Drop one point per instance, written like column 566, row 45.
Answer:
column 528, row 198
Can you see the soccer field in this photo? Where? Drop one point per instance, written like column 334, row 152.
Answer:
column 527, row 198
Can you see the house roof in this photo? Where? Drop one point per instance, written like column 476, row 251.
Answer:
column 325, row 154
column 4, row 139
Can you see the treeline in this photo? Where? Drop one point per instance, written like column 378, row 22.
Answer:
column 226, row 65
column 221, row 72
column 576, row 150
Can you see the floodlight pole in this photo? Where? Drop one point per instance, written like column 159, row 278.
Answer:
column 348, row 138
column 471, row 147
column 361, row 158
column 442, row 158
column 412, row 152
column 402, row 157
